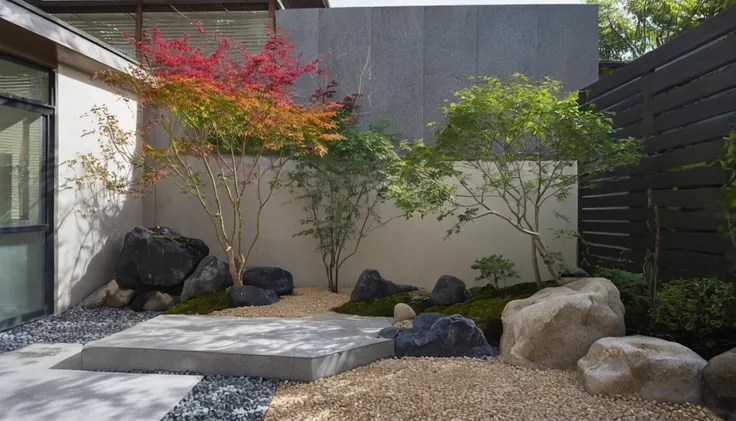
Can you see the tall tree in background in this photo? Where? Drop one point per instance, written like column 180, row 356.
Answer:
column 630, row 28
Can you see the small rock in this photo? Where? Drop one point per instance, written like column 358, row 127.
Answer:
column 121, row 298
column 403, row 312
column 249, row 295
column 97, row 298
column 211, row 275
column 449, row 290
column 388, row 332
column 274, row 279
column 151, row 301
column 404, row 324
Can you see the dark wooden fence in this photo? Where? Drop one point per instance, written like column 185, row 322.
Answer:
column 681, row 99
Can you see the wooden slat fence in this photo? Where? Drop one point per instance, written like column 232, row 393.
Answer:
column 681, row 99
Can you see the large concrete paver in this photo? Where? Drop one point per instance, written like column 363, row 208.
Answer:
column 36, row 384
column 293, row 349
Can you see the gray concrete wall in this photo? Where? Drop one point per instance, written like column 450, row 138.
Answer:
column 409, row 60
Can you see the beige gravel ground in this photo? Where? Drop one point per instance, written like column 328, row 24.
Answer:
column 460, row 389
column 303, row 302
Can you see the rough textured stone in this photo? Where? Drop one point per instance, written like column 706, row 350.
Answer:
column 274, row 279
column 388, row 332
column 555, row 327
column 97, row 298
column 121, row 298
column 403, row 312
column 152, row 301
column 157, row 257
column 435, row 335
column 371, row 285
column 719, row 384
column 211, row 275
column 652, row 368
column 449, row 290
column 249, row 295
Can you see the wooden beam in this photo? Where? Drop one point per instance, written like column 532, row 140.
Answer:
column 139, row 21
column 272, row 15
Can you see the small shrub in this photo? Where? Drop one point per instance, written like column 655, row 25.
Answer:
column 494, row 268
column 574, row 272
column 699, row 306
column 204, row 304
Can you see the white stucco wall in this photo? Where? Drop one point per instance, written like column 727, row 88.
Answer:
column 89, row 223
column 405, row 251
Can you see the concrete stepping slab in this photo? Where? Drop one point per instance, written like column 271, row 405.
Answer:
column 31, row 389
column 302, row 349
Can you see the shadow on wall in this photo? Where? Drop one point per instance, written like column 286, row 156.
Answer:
column 90, row 221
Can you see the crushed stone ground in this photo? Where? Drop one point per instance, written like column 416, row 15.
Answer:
column 461, row 389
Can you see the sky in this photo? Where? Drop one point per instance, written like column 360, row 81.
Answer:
column 381, row 3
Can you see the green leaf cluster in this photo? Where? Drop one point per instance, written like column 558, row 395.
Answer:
column 699, row 306
column 341, row 193
column 630, row 28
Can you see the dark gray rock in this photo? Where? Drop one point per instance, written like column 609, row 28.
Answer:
column 249, row 295
column 371, row 285
column 274, row 279
column 157, row 257
column 388, row 332
column 435, row 335
column 211, row 275
column 449, row 290
column 719, row 384
column 407, row 288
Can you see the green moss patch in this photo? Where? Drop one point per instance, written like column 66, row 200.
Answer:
column 382, row 306
column 204, row 304
column 484, row 307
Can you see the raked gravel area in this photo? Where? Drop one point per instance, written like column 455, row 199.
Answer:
column 305, row 301
column 214, row 398
column 460, row 389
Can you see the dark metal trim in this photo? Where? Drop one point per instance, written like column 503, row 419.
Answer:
column 19, row 320
column 23, row 104
column 47, row 188
column 18, row 229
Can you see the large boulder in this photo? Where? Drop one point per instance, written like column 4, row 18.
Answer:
column 249, row 295
column 211, row 275
column 651, row 368
column 555, row 327
column 97, row 298
column 157, row 257
column 371, row 285
column 152, row 301
column 719, row 384
column 449, row 290
column 436, row 335
column 274, row 279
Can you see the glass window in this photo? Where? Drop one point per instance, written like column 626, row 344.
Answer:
column 22, row 278
column 17, row 80
column 21, row 166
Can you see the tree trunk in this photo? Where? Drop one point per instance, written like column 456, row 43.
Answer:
column 535, row 265
column 233, row 268
column 543, row 253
